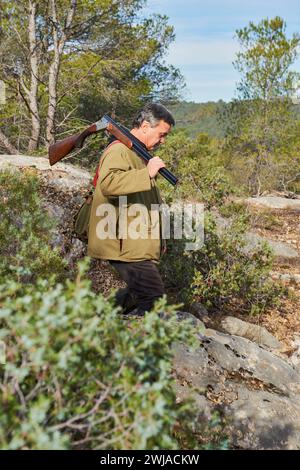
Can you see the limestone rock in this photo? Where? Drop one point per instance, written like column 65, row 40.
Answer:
column 281, row 250
column 287, row 277
column 255, row 333
column 274, row 202
column 60, row 176
column 258, row 392
column 195, row 321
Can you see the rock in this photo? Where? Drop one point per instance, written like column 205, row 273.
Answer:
column 286, row 277
column 188, row 316
column 55, row 211
column 78, row 250
column 258, row 392
column 262, row 420
column 62, row 189
column 295, row 358
column 283, row 252
column 203, row 405
column 255, row 333
column 221, row 223
column 199, row 311
column 61, row 176
column 274, row 202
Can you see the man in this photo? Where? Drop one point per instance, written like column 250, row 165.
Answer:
column 123, row 174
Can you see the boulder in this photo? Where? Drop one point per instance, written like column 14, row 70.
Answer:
column 60, row 176
column 274, row 202
column 257, row 392
column 283, row 252
column 256, row 333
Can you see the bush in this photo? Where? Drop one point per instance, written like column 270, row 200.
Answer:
column 197, row 164
column 223, row 271
column 25, row 231
column 77, row 376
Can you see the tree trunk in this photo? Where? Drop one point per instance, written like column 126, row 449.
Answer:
column 59, row 44
column 33, row 94
column 4, row 142
column 53, row 77
column 35, row 119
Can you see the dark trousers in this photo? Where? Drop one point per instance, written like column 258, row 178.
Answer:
column 144, row 285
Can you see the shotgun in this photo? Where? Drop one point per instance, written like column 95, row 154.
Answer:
column 62, row 148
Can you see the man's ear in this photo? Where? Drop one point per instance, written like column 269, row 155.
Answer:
column 145, row 126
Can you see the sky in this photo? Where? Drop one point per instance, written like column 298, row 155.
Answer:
column 205, row 47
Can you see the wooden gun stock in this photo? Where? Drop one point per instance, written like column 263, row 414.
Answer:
column 62, row 148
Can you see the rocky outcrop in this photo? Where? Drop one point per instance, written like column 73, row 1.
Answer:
column 274, row 202
column 283, row 252
column 257, row 392
column 295, row 358
column 62, row 187
column 61, row 176
column 293, row 278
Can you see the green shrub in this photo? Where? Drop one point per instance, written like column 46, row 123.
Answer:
column 196, row 162
column 25, row 230
column 222, row 271
column 233, row 209
column 265, row 219
column 79, row 376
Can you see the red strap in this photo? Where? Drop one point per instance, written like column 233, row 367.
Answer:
column 96, row 177
column 97, row 170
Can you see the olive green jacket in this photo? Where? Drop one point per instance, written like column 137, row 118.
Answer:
column 123, row 173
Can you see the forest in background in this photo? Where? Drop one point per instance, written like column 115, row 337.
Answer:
column 66, row 63
column 204, row 118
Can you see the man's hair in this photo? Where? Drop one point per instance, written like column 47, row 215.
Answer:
column 153, row 113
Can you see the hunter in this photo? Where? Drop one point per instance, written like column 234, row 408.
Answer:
column 124, row 176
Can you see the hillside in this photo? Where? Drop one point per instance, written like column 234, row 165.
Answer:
column 203, row 117
column 198, row 117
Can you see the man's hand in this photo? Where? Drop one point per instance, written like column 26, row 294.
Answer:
column 154, row 165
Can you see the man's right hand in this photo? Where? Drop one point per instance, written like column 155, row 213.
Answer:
column 154, row 165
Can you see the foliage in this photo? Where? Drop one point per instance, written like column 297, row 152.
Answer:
column 233, row 209
column 262, row 128
column 111, row 59
column 198, row 118
column 77, row 376
column 197, row 164
column 25, row 231
column 223, row 271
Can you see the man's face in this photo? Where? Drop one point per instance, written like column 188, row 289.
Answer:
column 155, row 136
